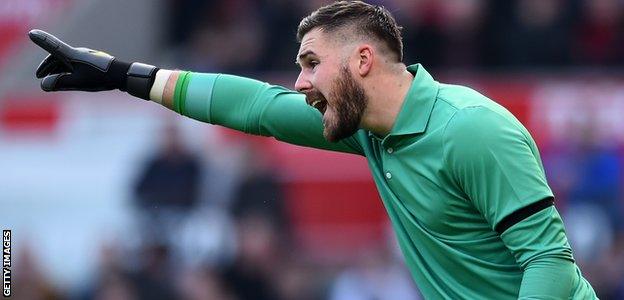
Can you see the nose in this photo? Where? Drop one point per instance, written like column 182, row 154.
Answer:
column 303, row 83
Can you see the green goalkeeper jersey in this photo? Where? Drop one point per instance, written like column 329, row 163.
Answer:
column 460, row 177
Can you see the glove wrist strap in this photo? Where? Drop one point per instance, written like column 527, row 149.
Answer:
column 116, row 73
column 140, row 80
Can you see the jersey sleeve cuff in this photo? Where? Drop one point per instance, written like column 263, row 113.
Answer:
column 193, row 95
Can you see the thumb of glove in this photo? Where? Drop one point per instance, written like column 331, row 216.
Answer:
column 60, row 82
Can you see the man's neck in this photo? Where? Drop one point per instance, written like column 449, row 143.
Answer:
column 386, row 96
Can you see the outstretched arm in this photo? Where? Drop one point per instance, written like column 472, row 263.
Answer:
column 235, row 102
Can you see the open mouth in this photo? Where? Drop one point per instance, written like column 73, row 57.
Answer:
column 321, row 105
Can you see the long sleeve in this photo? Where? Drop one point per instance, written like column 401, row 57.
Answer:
column 254, row 107
column 540, row 246
column 496, row 164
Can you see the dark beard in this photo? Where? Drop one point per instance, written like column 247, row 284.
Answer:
column 350, row 103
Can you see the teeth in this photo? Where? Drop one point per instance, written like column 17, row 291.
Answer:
column 315, row 103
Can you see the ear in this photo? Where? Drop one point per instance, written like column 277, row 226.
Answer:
column 365, row 55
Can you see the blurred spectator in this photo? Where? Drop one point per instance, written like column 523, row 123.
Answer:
column 154, row 278
column 252, row 274
column 167, row 188
column 170, row 178
column 259, row 191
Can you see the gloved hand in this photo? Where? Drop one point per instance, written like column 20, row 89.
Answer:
column 82, row 69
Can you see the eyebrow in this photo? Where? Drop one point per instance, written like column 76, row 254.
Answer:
column 304, row 55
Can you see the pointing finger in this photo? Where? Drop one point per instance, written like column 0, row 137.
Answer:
column 45, row 40
column 51, row 44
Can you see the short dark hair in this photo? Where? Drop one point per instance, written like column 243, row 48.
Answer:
column 366, row 19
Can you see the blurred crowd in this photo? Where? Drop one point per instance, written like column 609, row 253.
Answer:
column 464, row 34
column 206, row 232
column 586, row 172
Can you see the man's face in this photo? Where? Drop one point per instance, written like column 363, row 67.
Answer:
column 329, row 86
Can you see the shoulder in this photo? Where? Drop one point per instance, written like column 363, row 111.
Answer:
column 474, row 131
column 475, row 116
column 479, row 120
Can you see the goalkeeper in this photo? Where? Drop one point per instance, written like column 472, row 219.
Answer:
column 460, row 177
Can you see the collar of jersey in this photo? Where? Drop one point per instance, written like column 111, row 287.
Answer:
column 418, row 104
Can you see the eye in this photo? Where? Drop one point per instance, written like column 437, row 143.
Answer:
column 313, row 64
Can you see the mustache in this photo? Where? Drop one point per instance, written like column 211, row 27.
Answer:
column 312, row 96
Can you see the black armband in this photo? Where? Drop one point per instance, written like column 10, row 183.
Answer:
column 522, row 214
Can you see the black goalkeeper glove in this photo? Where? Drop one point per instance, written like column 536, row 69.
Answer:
column 81, row 69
